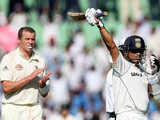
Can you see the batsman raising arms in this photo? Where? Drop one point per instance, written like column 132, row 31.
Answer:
column 130, row 83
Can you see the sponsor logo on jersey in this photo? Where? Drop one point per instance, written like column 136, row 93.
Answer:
column 19, row 67
column 136, row 74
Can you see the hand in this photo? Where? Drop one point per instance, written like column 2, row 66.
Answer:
column 154, row 63
column 44, row 79
column 36, row 72
column 90, row 16
column 154, row 60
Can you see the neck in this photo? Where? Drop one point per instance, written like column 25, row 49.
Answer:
column 26, row 54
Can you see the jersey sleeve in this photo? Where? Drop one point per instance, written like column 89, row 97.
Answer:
column 121, row 65
column 5, row 70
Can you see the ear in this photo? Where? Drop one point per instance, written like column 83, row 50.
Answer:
column 125, row 55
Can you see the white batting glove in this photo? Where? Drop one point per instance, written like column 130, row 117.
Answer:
column 90, row 16
column 152, row 60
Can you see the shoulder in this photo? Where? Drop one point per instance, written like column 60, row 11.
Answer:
column 9, row 55
column 121, row 61
column 121, row 65
column 13, row 53
column 7, row 59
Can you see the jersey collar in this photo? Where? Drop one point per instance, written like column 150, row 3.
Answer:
column 22, row 55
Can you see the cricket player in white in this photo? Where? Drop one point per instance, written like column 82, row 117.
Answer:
column 22, row 79
column 130, row 84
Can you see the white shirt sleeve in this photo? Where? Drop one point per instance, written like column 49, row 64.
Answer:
column 121, row 65
column 5, row 70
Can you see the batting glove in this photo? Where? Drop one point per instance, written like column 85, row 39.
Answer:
column 90, row 16
column 154, row 62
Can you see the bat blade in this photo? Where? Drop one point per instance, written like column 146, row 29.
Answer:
column 77, row 16
column 81, row 16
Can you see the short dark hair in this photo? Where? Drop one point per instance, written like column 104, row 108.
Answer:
column 29, row 29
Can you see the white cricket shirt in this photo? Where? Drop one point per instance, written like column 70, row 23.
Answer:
column 14, row 67
column 130, row 87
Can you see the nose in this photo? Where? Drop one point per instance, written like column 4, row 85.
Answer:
column 138, row 55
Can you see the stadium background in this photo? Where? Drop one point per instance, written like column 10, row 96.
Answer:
column 73, row 50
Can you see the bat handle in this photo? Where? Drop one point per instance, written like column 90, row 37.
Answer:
column 104, row 13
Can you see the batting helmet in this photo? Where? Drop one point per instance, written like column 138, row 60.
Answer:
column 134, row 44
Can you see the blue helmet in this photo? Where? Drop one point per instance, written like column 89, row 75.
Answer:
column 134, row 44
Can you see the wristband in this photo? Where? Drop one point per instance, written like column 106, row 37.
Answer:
column 101, row 24
column 45, row 89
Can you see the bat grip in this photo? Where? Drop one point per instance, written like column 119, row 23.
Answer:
column 98, row 15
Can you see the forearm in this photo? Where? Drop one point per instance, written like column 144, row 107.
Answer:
column 108, row 40
column 12, row 86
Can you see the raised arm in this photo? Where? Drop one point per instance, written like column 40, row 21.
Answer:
column 110, row 44
column 107, row 38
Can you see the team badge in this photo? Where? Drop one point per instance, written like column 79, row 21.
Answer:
column 138, row 43
column 19, row 67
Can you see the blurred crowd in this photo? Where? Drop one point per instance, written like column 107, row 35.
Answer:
column 76, row 55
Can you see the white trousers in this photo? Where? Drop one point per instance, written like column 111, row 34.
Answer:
column 20, row 112
column 131, row 115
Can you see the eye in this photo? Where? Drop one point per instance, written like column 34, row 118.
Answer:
column 26, row 38
column 33, row 39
